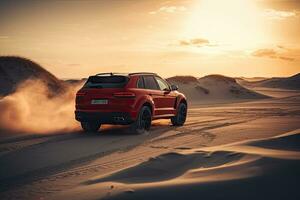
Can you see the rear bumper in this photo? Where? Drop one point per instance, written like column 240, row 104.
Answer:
column 122, row 118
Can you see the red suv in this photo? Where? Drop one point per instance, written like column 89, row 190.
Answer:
column 135, row 99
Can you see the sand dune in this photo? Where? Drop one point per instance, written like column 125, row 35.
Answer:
column 34, row 100
column 292, row 82
column 242, row 170
column 214, row 88
column 250, row 79
column 273, row 87
column 15, row 70
column 288, row 141
column 169, row 166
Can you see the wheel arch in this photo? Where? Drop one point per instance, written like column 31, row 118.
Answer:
column 148, row 104
column 182, row 100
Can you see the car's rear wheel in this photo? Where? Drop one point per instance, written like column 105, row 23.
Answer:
column 143, row 121
column 90, row 126
column 180, row 117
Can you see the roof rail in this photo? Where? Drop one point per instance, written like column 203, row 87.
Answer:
column 136, row 73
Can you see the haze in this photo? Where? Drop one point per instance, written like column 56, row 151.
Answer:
column 74, row 39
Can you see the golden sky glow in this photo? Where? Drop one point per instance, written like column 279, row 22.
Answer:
column 74, row 39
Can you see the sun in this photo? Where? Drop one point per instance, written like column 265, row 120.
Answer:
column 231, row 23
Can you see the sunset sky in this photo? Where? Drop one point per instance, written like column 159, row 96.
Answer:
column 74, row 39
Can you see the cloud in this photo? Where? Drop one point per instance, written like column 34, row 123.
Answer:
column 3, row 37
column 265, row 53
column 279, row 14
column 198, row 42
column 169, row 9
column 286, row 58
column 274, row 54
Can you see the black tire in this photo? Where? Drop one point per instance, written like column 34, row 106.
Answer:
column 90, row 126
column 180, row 117
column 143, row 122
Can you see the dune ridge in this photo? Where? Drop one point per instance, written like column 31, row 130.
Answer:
column 292, row 82
column 14, row 70
column 213, row 89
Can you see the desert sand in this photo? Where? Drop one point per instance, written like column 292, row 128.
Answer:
column 241, row 150
column 240, row 141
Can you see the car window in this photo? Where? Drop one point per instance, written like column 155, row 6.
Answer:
column 150, row 83
column 140, row 83
column 106, row 82
column 163, row 85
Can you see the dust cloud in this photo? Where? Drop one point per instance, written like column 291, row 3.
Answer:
column 34, row 109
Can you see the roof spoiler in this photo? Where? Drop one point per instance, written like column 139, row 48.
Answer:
column 111, row 74
column 146, row 73
column 124, row 74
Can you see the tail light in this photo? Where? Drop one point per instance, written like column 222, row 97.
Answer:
column 80, row 93
column 124, row 94
column 80, row 96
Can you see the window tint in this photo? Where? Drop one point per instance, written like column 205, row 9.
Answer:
column 163, row 85
column 140, row 83
column 106, row 82
column 150, row 83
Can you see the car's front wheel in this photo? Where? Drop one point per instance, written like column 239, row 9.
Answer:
column 90, row 126
column 143, row 121
column 180, row 117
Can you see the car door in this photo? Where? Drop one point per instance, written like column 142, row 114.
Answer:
column 157, row 95
column 169, row 98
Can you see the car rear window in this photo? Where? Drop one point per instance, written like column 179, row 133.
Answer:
column 106, row 82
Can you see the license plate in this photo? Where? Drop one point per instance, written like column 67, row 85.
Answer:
column 99, row 101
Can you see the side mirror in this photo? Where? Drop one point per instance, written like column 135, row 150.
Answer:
column 167, row 91
column 174, row 87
